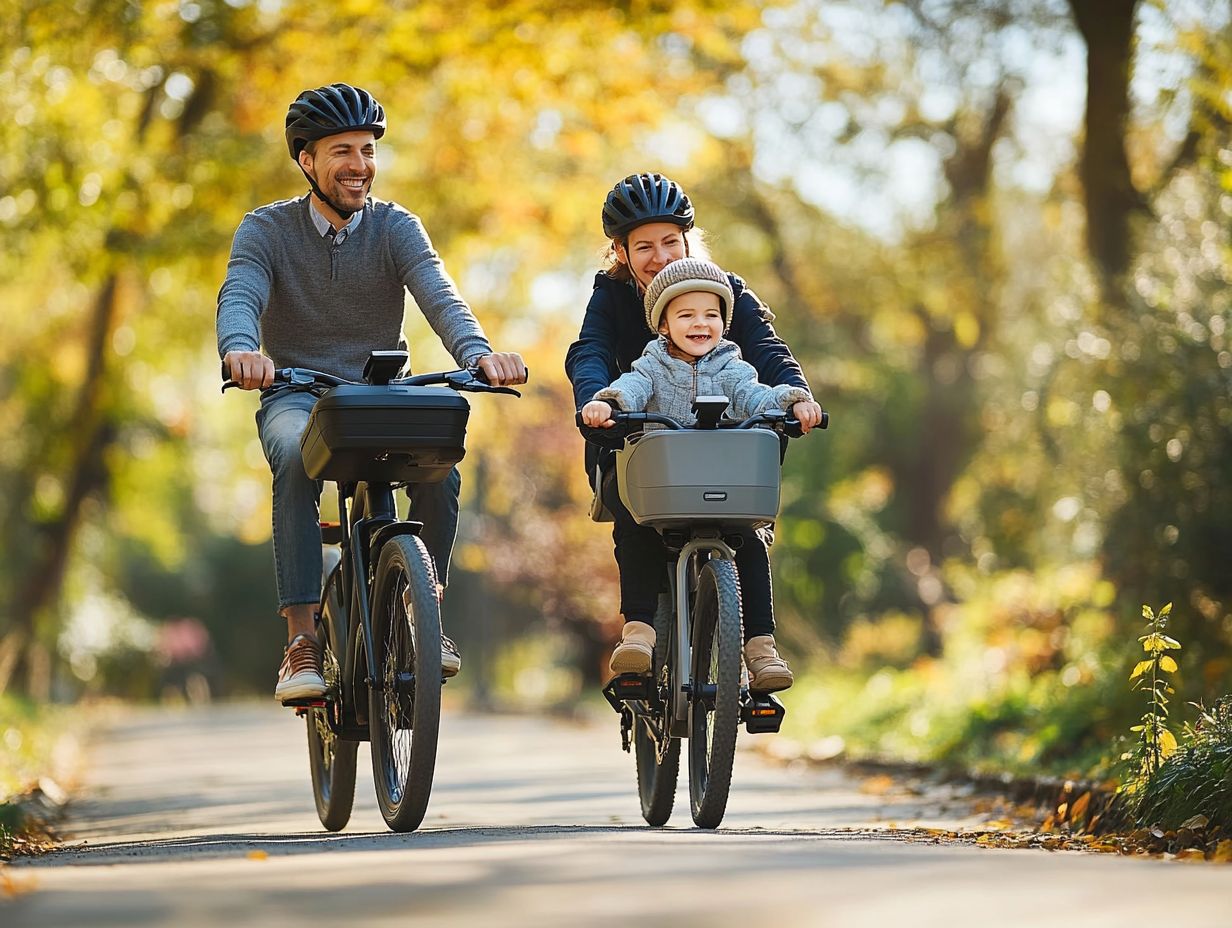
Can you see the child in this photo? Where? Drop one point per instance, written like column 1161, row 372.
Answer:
column 688, row 303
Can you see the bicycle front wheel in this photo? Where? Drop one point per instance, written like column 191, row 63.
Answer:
column 714, row 698
column 658, row 763
column 330, row 759
column 405, row 700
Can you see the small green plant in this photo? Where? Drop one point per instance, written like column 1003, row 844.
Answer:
column 1155, row 741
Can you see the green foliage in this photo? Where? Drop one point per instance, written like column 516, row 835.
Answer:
column 1025, row 681
column 29, row 734
column 1172, row 782
column 1156, row 742
column 1197, row 778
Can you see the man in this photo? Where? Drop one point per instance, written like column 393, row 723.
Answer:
column 319, row 282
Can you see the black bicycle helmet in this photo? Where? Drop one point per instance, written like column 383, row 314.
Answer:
column 642, row 198
column 331, row 110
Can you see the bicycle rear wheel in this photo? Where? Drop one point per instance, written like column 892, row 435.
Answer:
column 330, row 759
column 657, row 772
column 405, row 700
column 714, row 700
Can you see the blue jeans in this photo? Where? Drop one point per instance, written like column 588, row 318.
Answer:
column 281, row 421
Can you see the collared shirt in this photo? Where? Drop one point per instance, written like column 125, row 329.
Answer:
column 326, row 228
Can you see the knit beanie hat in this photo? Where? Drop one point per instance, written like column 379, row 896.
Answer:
column 686, row 276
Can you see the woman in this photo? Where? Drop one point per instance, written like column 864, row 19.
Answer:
column 648, row 220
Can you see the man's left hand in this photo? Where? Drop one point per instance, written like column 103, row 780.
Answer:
column 503, row 368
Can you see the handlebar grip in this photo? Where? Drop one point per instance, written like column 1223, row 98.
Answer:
column 227, row 382
column 482, row 376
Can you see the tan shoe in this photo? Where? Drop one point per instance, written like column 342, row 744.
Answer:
column 299, row 676
column 451, row 657
column 635, row 653
column 768, row 672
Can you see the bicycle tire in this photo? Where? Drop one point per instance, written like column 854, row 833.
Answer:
column 714, row 698
column 405, row 701
column 331, row 760
column 657, row 775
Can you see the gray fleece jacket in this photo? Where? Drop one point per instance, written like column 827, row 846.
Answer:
column 663, row 384
column 323, row 305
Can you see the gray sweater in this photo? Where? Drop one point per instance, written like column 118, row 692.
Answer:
column 322, row 306
column 663, row 384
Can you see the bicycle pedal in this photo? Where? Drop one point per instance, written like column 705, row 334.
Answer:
column 761, row 713
column 627, row 686
column 305, row 703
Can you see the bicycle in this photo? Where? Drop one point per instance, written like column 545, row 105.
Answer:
column 696, row 486
column 380, row 625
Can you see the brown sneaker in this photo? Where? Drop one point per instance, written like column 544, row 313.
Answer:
column 299, row 676
column 768, row 672
column 635, row 653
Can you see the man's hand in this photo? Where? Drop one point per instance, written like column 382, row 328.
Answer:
column 598, row 415
column 250, row 369
column 809, row 414
column 503, row 368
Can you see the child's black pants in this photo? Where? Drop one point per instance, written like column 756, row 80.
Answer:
column 642, row 560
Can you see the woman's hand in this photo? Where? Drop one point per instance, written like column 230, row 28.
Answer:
column 809, row 414
column 598, row 415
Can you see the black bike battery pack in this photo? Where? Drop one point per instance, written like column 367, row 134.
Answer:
column 386, row 434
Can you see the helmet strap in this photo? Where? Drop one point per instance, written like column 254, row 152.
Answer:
column 343, row 213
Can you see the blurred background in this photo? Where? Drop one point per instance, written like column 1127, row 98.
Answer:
column 994, row 232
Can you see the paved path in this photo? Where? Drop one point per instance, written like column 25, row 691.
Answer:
column 206, row 818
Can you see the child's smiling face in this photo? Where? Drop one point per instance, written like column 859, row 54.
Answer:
column 693, row 322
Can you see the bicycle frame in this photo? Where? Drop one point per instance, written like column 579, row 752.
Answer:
column 687, row 565
column 373, row 521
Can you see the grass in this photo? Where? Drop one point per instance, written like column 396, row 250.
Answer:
column 37, row 743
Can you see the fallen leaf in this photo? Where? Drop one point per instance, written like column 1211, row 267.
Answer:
column 1191, row 853
column 877, row 785
column 256, row 855
column 1080, row 807
column 1223, row 850
column 1196, row 822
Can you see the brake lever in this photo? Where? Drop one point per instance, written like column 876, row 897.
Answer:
column 477, row 382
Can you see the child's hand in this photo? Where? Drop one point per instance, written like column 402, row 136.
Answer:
column 598, row 415
column 809, row 414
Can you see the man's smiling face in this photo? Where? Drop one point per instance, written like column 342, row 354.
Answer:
column 344, row 167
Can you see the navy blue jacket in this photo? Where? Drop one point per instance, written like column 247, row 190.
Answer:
column 614, row 335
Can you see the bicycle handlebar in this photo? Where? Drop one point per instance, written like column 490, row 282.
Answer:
column 463, row 379
column 629, row 422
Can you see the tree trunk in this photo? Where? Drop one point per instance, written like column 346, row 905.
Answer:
column 1107, row 27
column 92, row 433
